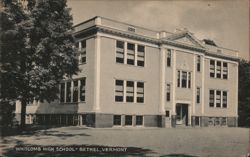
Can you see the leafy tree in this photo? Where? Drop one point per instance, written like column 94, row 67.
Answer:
column 244, row 93
column 43, row 55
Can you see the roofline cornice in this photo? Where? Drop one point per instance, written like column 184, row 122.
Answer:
column 94, row 29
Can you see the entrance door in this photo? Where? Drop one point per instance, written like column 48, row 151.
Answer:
column 182, row 114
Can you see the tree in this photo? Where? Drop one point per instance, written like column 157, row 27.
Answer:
column 45, row 54
column 244, row 93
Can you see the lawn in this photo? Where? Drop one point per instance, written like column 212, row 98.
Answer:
column 190, row 142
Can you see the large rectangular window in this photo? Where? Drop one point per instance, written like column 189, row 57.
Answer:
column 140, row 55
column 198, row 95
column 189, row 79
column 218, row 98
column 178, row 79
column 131, row 54
column 135, row 53
column 130, row 91
column 119, row 90
column 184, row 79
column 140, row 92
column 218, row 69
column 82, row 52
column 128, row 120
column 139, row 120
column 211, row 98
column 119, row 52
column 117, row 120
column 225, row 70
column 168, row 58
column 75, row 91
column 224, row 99
column 62, row 97
column 82, row 89
column 168, row 92
column 212, row 68
column 198, row 65
column 68, row 92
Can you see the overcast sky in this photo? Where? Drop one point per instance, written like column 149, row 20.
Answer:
column 224, row 21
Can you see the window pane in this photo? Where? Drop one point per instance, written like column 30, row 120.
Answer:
column 212, row 68
column 184, row 80
column 68, row 94
column 140, row 48
column 120, row 44
column 169, row 58
column 119, row 52
column 218, row 69
column 224, row 99
column 128, row 120
column 139, row 120
column 119, row 90
column 211, row 98
column 117, row 120
column 218, row 98
column 75, row 91
column 140, row 92
column 82, row 89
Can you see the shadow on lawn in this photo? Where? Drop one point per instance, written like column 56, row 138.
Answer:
column 34, row 130
column 177, row 155
column 102, row 151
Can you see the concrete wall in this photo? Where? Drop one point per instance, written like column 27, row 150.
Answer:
column 229, row 85
column 110, row 70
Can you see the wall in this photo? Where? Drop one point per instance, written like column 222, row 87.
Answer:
column 229, row 85
column 110, row 70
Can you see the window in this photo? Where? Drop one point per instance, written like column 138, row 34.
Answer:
column 77, row 94
column 169, row 58
column 184, row 79
column 140, row 92
column 139, row 120
column 211, row 98
column 167, row 113
column 198, row 95
column 62, row 98
column 119, row 90
column 198, row 63
column 117, row 120
column 178, row 79
column 140, row 55
column 225, row 70
column 82, row 89
column 82, row 52
column 119, row 52
column 212, row 68
column 168, row 92
column 218, row 69
column 131, row 54
column 128, row 120
column 224, row 99
column 68, row 92
column 189, row 79
column 75, row 91
column 130, row 91
column 218, row 98
column 135, row 53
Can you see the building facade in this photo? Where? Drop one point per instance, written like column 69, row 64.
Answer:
column 133, row 77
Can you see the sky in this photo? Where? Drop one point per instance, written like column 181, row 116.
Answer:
column 224, row 21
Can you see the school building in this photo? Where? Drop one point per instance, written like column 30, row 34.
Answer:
column 136, row 77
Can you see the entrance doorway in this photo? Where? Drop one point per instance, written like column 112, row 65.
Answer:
column 182, row 114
